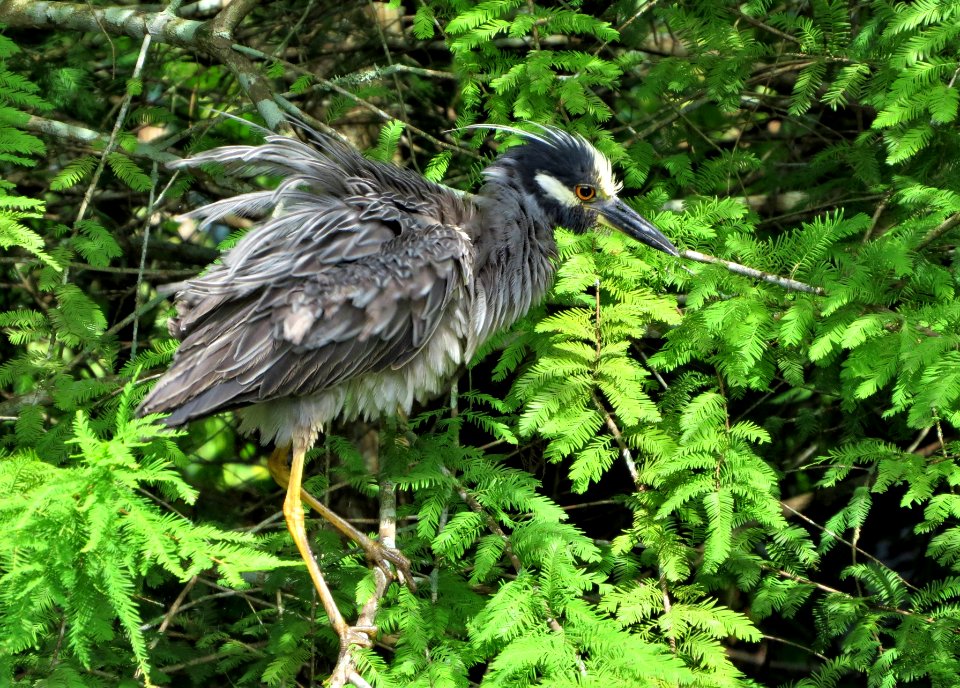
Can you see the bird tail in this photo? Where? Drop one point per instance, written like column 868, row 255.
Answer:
column 187, row 392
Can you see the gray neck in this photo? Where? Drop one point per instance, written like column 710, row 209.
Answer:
column 515, row 244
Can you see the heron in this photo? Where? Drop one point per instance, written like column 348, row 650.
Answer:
column 362, row 288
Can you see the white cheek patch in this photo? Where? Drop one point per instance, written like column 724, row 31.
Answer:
column 557, row 190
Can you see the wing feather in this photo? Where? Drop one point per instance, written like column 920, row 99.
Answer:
column 351, row 273
column 301, row 336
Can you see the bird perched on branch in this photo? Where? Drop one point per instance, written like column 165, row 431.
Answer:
column 365, row 289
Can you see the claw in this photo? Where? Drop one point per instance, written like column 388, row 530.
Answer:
column 389, row 560
column 361, row 636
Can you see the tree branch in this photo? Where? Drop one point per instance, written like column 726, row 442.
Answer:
column 230, row 16
column 120, row 21
column 346, row 669
column 939, row 231
column 625, row 452
column 784, row 282
column 213, row 38
column 89, row 137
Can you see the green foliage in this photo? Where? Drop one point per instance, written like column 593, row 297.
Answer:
column 128, row 172
column 73, row 173
column 19, row 148
column 670, row 473
column 584, row 369
column 85, row 537
column 389, row 139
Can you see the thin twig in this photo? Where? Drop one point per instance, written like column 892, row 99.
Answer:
column 881, row 206
column 739, row 269
column 834, row 591
column 921, row 436
column 330, row 85
column 766, row 27
column 86, row 353
column 174, row 610
column 656, row 374
column 492, row 525
column 102, row 163
column 152, row 203
column 137, row 295
column 943, row 443
column 938, row 231
column 112, row 141
column 777, row 639
column 597, row 318
column 346, row 669
column 195, row 603
column 851, row 545
column 165, row 274
column 625, row 452
column 213, row 657
column 401, row 101
column 55, row 658
column 667, row 606
column 89, row 137
column 535, row 31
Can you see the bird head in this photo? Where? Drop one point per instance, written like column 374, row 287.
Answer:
column 573, row 184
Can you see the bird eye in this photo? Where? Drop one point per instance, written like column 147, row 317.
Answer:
column 585, row 192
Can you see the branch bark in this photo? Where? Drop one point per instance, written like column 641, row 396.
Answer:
column 784, row 282
column 214, row 37
column 119, row 21
column 89, row 137
column 939, row 231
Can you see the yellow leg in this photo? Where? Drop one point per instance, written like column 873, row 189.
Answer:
column 293, row 512
column 382, row 556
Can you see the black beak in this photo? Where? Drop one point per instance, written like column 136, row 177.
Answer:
column 618, row 215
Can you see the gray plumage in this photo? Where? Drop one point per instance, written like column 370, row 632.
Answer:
column 364, row 287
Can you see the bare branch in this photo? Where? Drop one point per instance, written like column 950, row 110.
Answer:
column 625, row 452
column 72, row 132
column 346, row 669
column 784, row 282
column 120, row 21
column 212, row 38
column 939, row 231
column 332, row 85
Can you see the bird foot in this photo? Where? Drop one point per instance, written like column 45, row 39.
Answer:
column 389, row 560
column 350, row 637
column 358, row 636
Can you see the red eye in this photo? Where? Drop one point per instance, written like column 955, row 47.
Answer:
column 585, row 192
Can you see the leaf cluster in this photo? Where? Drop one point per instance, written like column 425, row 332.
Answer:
column 668, row 473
